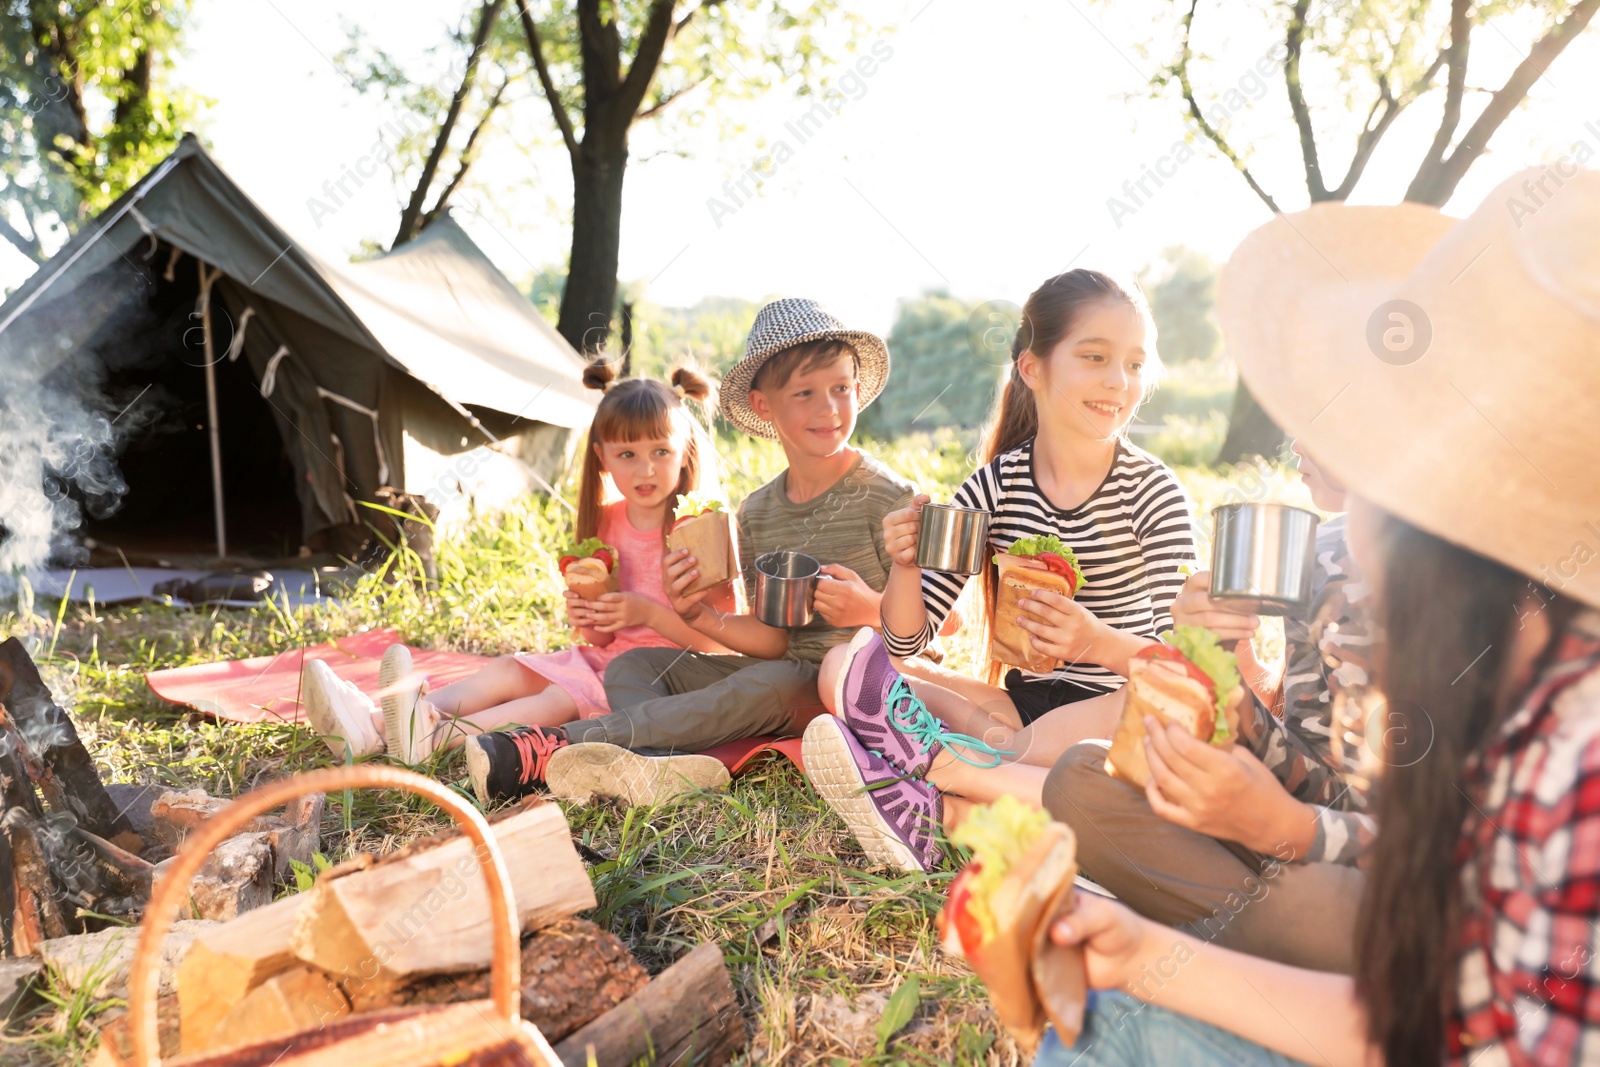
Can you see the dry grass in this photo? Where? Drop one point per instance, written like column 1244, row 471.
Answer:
column 816, row 942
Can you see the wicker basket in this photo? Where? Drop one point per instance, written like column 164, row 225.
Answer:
column 481, row 1033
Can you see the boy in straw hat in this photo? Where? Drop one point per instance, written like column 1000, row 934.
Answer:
column 1458, row 399
column 803, row 380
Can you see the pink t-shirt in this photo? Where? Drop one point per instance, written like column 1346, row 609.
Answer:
column 638, row 571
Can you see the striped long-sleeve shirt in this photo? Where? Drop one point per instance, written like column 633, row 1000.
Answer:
column 1131, row 537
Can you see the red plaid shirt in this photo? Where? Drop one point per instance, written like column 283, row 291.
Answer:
column 1528, row 976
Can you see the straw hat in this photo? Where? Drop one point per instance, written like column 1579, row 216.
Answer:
column 1447, row 370
column 784, row 324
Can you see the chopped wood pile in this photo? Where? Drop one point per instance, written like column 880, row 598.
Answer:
column 371, row 935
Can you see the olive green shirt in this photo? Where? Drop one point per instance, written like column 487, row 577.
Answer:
column 843, row 525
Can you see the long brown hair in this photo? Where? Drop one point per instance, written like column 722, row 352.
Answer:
column 1442, row 607
column 1047, row 317
column 639, row 409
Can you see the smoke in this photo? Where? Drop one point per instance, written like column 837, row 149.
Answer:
column 55, row 449
column 59, row 434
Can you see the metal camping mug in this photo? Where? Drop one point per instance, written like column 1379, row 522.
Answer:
column 1263, row 557
column 786, row 582
column 952, row 539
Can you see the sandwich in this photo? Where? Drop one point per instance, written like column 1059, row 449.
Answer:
column 704, row 525
column 1187, row 678
column 1032, row 564
column 590, row 569
column 998, row 915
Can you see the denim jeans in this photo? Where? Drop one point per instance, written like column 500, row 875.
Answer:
column 1122, row 1031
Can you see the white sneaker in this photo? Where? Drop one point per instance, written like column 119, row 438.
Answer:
column 338, row 711
column 408, row 720
column 579, row 772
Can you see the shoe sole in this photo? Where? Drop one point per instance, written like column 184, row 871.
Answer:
column 832, row 769
column 319, row 712
column 477, row 768
column 579, row 772
column 859, row 641
column 397, row 709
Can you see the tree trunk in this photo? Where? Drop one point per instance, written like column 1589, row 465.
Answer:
column 591, row 290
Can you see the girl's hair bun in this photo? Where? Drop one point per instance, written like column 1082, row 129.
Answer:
column 601, row 373
column 691, row 383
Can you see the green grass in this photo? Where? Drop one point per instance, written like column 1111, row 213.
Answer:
column 764, row 870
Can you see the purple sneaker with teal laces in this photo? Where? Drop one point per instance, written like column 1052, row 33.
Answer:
column 886, row 716
column 896, row 819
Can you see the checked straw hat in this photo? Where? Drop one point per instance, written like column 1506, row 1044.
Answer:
column 1446, row 370
column 784, row 324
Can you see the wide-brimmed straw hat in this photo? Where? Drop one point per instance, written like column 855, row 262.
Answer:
column 1446, row 370
column 784, row 324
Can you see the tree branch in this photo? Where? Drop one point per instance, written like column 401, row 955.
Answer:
column 1455, row 58
column 1435, row 184
column 1182, row 71
column 558, row 110
column 408, row 218
column 468, row 156
column 28, row 246
column 647, row 58
column 1297, row 101
column 666, row 101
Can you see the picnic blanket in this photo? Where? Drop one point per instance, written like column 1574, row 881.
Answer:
column 267, row 688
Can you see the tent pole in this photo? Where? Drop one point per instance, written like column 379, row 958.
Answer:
column 211, row 408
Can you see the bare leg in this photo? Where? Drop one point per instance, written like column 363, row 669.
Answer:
column 1035, row 749
column 994, row 701
column 551, row 706
column 499, row 681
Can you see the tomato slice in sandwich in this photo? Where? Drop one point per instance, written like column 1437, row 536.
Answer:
column 566, row 561
column 967, row 928
column 1059, row 565
column 604, row 556
column 1160, row 650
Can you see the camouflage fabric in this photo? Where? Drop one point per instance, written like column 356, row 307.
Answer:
column 1318, row 748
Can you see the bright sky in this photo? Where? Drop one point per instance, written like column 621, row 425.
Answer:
column 979, row 156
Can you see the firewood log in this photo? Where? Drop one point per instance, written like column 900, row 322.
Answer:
column 433, row 894
column 230, row 961
column 571, row 973
column 688, row 1014
column 298, row 999
column 70, row 783
column 428, row 913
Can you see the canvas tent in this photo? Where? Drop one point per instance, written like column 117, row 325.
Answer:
column 424, row 369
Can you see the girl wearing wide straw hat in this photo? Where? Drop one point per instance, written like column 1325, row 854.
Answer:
column 1461, row 406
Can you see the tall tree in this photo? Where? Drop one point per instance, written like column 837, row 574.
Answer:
column 598, row 68
column 85, row 109
column 1384, row 57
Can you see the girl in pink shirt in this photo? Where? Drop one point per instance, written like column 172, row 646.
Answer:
column 645, row 451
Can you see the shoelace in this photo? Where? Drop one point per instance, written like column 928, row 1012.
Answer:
column 534, row 748
column 911, row 716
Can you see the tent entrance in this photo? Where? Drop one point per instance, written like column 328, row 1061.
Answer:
column 166, row 455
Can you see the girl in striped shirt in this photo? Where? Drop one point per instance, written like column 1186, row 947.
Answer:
column 1056, row 463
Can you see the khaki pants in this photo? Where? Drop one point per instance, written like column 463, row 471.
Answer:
column 669, row 700
column 1301, row 914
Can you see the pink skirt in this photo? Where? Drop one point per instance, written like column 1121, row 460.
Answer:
column 580, row 670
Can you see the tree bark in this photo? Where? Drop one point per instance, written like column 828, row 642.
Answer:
column 591, row 289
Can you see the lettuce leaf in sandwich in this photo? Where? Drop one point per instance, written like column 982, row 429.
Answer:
column 1202, row 648
column 698, row 503
column 998, row 835
column 1048, row 545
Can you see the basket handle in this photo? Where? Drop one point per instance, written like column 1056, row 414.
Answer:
column 505, row 976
